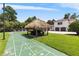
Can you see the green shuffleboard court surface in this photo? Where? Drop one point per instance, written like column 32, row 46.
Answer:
column 18, row 45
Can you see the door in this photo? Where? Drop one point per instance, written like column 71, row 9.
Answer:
column 63, row 28
column 57, row 29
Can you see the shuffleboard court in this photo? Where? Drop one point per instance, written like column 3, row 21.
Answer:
column 20, row 46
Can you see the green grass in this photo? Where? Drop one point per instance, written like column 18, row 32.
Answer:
column 3, row 42
column 65, row 43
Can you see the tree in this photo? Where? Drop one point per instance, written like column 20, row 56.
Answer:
column 9, row 25
column 34, row 17
column 30, row 19
column 74, row 27
column 51, row 22
column 10, row 13
column 74, row 16
column 10, row 18
column 66, row 16
column 69, row 16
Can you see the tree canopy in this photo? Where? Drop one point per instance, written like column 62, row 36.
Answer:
column 74, row 27
column 10, row 18
column 71, row 16
column 30, row 19
column 66, row 16
column 51, row 22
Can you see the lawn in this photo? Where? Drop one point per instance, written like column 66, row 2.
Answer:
column 3, row 42
column 64, row 43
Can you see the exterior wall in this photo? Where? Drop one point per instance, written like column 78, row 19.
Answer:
column 52, row 28
column 65, row 23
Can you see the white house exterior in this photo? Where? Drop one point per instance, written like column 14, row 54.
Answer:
column 62, row 24
column 51, row 27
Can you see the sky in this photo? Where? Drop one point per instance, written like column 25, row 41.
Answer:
column 43, row 11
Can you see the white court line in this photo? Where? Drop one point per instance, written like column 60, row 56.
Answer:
column 14, row 46
column 27, row 46
column 45, row 49
column 47, row 54
column 22, row 44
column 48, row 50
column 21, row 49
column 39, row 46
column 30, row 49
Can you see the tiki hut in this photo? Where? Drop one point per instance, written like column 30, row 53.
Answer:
column 37, row 27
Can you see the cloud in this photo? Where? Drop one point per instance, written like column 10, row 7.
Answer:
column 70, row 5
column 31, row 7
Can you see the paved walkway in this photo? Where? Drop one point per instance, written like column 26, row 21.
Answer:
column 62, row 32
column 20, row 46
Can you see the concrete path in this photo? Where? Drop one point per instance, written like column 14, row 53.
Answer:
column 20, row 46
column 62, row 32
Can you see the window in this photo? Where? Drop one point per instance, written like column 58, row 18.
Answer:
column 59, row 23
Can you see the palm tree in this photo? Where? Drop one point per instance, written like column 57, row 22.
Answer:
column 74, row 16
column 67, row 16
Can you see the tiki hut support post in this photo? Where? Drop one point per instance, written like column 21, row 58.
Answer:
column 27, row 32
column 47, row 31
column 43, row 33
column 36, row 33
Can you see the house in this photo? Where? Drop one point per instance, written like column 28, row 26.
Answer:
column 51, row 28
column 62, row 24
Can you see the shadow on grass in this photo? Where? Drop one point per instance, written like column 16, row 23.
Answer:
column 31, row 36
column 73, row 34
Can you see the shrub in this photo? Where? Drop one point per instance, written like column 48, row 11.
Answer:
column 74, row 27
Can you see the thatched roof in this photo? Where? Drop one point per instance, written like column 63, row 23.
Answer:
column 38, row 24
